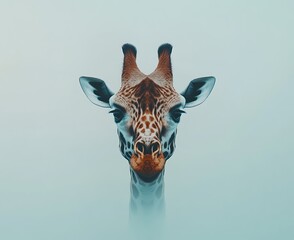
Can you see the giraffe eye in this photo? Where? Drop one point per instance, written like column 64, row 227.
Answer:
column 118, row 115
column 176, row 115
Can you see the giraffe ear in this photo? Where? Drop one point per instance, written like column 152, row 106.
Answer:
column 197, row 91
column 96, row 90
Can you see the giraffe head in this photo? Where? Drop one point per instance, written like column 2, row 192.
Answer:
column 147, row 109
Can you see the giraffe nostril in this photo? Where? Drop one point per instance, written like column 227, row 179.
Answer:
column 144, row 149
column 155, row 147
column 140, row 147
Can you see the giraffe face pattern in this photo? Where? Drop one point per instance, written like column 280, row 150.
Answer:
column 147, row 115
column 147, row 110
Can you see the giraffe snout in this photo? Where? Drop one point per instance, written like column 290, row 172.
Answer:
column 147, row 160
column 142, row 148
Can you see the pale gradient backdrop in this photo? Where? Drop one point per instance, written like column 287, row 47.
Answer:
column 61, row 173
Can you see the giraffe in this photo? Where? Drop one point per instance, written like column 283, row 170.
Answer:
column 147, row 110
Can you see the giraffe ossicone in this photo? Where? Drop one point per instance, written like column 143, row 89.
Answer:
column 147, row 110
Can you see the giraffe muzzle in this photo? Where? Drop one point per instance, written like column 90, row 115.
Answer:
column 147, row 160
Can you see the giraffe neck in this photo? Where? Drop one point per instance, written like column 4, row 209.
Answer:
column 147, row 202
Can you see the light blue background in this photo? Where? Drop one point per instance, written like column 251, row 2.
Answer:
column 61, row 173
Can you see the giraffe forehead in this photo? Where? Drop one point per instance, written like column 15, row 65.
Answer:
column 147, row 96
